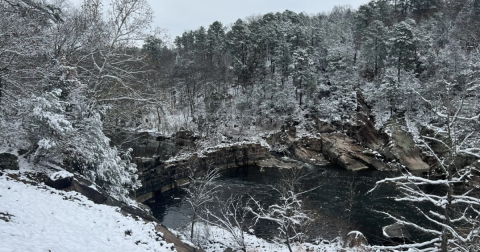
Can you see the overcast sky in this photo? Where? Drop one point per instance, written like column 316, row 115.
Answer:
column 178, row 16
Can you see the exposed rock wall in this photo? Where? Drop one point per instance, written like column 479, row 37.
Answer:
column 149, row 145
column 361, row 146
column 402, row 148
column 354, row 145
column 345, row 152
column 160, row 176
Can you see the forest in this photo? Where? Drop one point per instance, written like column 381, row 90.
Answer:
column 71, row 78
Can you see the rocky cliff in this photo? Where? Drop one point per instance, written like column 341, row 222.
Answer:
column 159, row 176
column 354, row 145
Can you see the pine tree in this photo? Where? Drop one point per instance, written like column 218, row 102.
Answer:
column 403, row 46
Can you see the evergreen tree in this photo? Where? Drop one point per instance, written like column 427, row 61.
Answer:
column 403, row 46
column 239, row 46
column 374, row 49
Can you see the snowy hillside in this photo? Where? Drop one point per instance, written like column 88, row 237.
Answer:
column 40, row 218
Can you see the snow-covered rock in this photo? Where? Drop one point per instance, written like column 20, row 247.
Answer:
column 355, row 240
column 60, row 179
column 396, row 231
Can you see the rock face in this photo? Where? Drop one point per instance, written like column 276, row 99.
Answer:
column 185, row 139
column 343, row 151
column 86, row 188
column 8, row 162
column 354, row 145
column 361, row 146
column 355, row 241
column 403, row 149
column 160, row 176
column 307, row 149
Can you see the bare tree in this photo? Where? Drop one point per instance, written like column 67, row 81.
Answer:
column 289, row 212
column 199, row 193
column 352, row 194
column 102, row 40
column 231, row 216
column 454, row 213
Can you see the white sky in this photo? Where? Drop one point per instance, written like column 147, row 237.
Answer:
column 177, row 16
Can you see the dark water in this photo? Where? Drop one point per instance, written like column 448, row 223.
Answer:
column 337, row 190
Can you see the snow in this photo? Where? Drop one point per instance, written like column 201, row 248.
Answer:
column 213, row 239
column 39, row 218
column 384, row 231
column 357, row 233
column 60, row 175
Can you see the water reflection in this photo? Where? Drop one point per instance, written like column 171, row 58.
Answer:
column 340, row 202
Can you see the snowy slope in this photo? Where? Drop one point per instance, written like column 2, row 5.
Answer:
column 40, row 218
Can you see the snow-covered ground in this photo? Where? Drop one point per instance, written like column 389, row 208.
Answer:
column 40, row 218
column 213, row 239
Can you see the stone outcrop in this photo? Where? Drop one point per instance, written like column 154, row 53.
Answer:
column 402, row 148
column 60, row 180
column 345, row 152
column 361, row 146
column 354, row 145
column 99, row 196
column 309, row 149
column 355, row 241
column 277, row 163
column 95, row 194
column 306, row 148
column 185, row 139
column 328, row 147
column 145, row 144
column 160, row 176
column 396, row 232
column 8, row 162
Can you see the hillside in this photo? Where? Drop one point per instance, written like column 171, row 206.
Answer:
column 35, row 217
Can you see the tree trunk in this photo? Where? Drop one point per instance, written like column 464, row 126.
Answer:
column 286, row 238
column 444, row 244
column 193, row 224
column 300, row 91
column 1, row 88
column 398, row 67
column 448, row 206
column 159, row 120
column 376, row 56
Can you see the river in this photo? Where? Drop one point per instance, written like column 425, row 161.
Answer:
column 338, row 189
